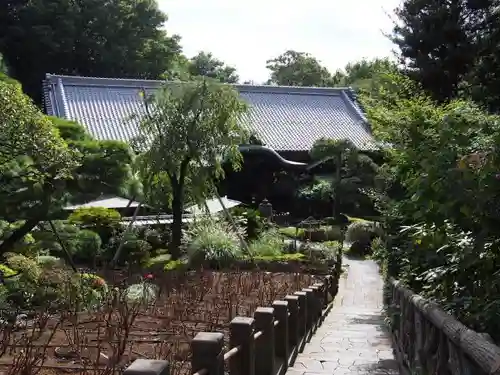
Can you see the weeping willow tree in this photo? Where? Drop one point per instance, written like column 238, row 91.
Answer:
column 191, row 129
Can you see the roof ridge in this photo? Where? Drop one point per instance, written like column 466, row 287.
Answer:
column 151, row 83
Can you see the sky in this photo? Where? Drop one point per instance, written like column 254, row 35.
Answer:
column 246, row 33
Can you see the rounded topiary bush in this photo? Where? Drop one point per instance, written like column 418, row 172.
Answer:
column 88, row 248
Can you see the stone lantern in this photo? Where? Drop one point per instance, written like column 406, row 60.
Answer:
column 266, row 209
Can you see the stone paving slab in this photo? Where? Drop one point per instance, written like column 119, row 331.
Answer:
column 352, row 339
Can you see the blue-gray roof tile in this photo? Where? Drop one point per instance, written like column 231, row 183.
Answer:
column 285, row 118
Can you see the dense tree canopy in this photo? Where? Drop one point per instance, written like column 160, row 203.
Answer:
column 102, row 38
column 294, row 68
column 206, row 65
column 440, row 200
column 442, row 41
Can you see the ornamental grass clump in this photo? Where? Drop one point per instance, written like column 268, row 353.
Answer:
column 212, row 241
column 269, row 243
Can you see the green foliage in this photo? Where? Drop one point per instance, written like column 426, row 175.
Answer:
column 48, row 261
column 46, row 240
column 175, row 264
column 294, row 68
column 89, row 246
column 451, row 48
column 159, row 259
column 28, row 268
column 7, row 271
column 351, row 175
column 364, row 75
column 214, row 241
column 206, row 65
column 195, row 128
column 292, row 232
column 320, row 189
column 117, row 38
column 360, row 231
column 135, row 249
column 251, row 220
column 439, row 202
column 269, row 243
column 35, row 162
column 324, row 252
column 104, row 221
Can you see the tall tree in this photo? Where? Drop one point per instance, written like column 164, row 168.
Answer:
column 483, row 81
column 294, row 68
column 363, row 73
column 103, row 38
column 438, row 41
column 191, row 129
column 206, row 65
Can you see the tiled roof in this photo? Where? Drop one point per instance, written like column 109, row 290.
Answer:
column 285, row 118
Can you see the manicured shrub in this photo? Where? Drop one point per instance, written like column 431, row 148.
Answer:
column 103, row 221
column 88, row 247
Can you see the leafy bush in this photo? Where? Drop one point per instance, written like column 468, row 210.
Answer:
column 25, row 246
column 251, row 220
column 154, row 238
column 212, row 240
column 88, row 246
column 48, row 261
column 360, row 231
column 47, row 240
column 269, row 243
column 321, row 189
column 104, row 221
column 27, row 267
column 135, row 250
column 159, row 259
column 175, row 264
column 7, row 271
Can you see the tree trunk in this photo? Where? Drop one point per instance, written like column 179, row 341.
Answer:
column 18, row 234
column 176, row 227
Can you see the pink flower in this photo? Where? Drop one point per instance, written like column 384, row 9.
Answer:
column 149, row 276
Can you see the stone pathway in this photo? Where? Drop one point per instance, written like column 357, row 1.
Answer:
column 352, row 339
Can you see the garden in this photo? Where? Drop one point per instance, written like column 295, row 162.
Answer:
column 87, row 290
